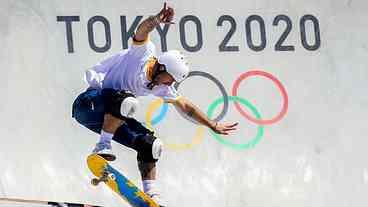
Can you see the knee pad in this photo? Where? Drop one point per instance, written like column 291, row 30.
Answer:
column 149, row 148
column 120, row 104
column 133, row 135
column 129, row 106
column 157, row 148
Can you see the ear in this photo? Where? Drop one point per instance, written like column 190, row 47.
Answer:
column 162, row 68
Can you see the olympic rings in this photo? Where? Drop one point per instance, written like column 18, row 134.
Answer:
column 198, row 137
column 225, row 99
column 249, row 144
column 278, row 84
column 219, row 85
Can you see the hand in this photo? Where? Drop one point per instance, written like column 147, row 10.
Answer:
column 224, row 128
column 166, row 15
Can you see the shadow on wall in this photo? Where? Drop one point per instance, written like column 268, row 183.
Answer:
column 14, row 202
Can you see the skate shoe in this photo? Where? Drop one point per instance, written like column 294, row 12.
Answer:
column 104, row 150
column 157, row 198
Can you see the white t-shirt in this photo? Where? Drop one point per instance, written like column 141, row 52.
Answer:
column 126, row 70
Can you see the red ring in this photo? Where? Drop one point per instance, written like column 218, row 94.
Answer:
column 278, row 84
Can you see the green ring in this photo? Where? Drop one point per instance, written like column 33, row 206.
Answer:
column 251, row 143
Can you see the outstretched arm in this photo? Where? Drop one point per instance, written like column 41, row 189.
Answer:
column 164, row 16
column 194, row 112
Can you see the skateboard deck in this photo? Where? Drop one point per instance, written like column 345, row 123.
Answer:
column 117, row 182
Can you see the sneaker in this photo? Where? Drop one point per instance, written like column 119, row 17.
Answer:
column 104, row 150
column 157, row 198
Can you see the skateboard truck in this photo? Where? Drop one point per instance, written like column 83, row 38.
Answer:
column 106, row 175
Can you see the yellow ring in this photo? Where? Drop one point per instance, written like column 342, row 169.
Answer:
column 197, row 139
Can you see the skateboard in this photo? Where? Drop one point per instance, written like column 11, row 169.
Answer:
column 117, row 182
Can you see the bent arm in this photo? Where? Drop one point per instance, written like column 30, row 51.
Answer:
column 146, row 27
column 164, row 16
column 193, row 112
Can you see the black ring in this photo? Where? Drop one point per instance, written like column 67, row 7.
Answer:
column 219, row 84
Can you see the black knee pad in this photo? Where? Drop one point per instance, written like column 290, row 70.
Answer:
column 149, row 148
column 113, row 99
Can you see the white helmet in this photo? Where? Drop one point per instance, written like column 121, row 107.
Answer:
column 175, row 64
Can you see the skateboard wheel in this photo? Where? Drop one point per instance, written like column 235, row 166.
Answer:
column 95, row 181
column 112, row 176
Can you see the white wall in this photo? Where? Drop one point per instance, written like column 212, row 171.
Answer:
column 314, row 156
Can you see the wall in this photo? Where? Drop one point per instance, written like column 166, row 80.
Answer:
column 310, row 92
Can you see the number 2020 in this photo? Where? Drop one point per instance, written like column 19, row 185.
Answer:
column 281, row 44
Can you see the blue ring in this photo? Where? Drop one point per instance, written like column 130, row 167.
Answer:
column 157, row 119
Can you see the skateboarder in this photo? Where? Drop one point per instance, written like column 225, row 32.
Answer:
column 108, row 105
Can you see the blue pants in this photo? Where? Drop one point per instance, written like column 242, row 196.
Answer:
column 89, row 110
